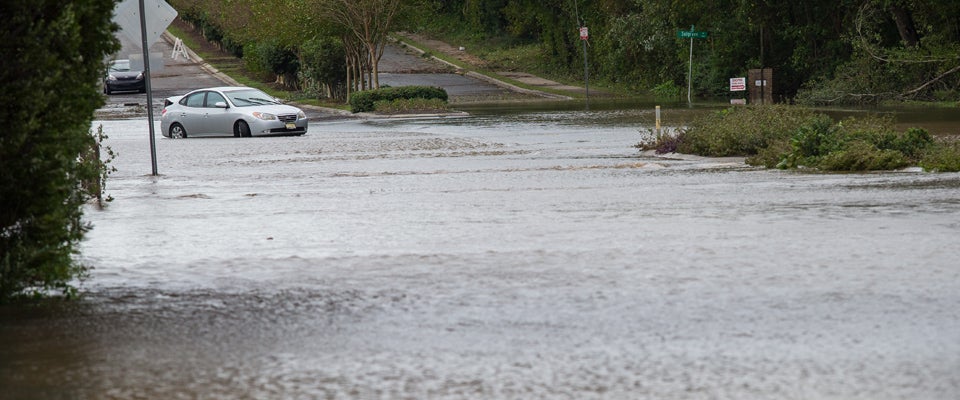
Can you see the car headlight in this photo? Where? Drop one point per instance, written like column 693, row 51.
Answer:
column 111, row 78
column 264, row 116
column 301, row 115
column 140, row 76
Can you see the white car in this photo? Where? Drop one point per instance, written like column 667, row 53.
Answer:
column 230, row 111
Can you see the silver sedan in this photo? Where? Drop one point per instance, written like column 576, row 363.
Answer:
column 230, row 111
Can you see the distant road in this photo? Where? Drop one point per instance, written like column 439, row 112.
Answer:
column 175, row 77
column 398, row 67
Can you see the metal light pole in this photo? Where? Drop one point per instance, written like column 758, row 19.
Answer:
column 146, row 76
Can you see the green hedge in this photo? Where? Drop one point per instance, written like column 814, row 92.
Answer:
column 365, row 101
column 47, row 153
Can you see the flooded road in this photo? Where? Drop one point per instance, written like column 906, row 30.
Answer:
column 532, row 255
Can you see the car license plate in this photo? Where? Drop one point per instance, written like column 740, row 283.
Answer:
column 291, row 125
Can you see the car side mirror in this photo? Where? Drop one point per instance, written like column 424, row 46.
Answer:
column 220, row 104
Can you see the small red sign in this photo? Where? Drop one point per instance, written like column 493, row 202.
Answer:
column 738, row 84
column 584, row 35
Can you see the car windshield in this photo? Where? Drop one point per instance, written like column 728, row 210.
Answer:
column 250, row 97
column 120, row 66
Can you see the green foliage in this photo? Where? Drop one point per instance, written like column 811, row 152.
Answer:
column 323, row 66
column 792, row 137
column 666, row 90
column 944, row 157
column 47, row 135
column 862, row 156
column 742, row 131
column 811, row 141
column 846, row 51
column 365, row 101
column 270, row 57
column 397, row 106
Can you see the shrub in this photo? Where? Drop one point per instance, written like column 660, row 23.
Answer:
column 741, row 131
column 323, row 66
column 269, row 58
column 46, row 135
column 408, row 105
column 943, row 157
column 913, row 143
column 782, row 137
column 666, row 90
column 365, row 101
column 810, row 142
column 862, row 156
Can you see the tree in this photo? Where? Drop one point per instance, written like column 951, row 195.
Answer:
column 53, row 60
column 369, row 21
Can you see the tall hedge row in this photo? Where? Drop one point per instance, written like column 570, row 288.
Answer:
column 52, row 64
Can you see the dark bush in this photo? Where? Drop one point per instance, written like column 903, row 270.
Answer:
column 46, row 143
column 323, row 67
column 365, row 101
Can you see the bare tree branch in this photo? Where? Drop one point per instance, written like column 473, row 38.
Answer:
column 932, row 81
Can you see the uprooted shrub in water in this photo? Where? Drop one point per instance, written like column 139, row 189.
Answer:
column 943, row 157
column 790, row 137
column 741, row 131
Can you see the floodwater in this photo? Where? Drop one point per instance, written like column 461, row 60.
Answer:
column 519, row 255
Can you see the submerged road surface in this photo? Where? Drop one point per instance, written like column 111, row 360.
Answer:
column 496, row 256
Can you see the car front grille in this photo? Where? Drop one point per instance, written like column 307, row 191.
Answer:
column 287, row 118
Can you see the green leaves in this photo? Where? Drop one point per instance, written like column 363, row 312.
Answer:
column 365, row 101
column 47, row 121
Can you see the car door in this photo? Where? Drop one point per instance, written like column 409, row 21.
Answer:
column 217, row 120
column 192, row 114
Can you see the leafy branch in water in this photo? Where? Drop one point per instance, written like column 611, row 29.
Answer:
column 95, row 168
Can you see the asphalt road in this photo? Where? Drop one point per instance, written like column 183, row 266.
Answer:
column 399, row 67
column 174, row 77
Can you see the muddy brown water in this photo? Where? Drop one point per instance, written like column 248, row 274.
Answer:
column 528, row 254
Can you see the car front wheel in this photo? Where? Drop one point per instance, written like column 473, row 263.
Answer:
column 177, row 131
column 243, row 129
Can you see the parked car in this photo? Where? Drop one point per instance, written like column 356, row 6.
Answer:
column 230, row 111
column 121, row 79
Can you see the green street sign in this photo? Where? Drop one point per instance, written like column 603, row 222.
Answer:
column 692, row 34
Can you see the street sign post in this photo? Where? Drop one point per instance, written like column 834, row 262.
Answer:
column 691, row 34
column 584, row 36
column 149, row 28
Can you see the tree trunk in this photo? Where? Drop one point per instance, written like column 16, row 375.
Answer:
column 905, row 25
